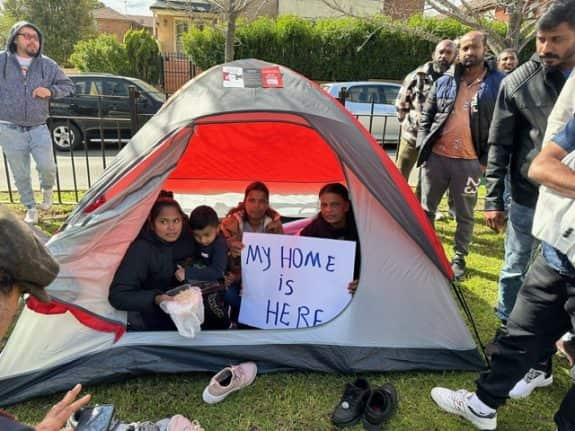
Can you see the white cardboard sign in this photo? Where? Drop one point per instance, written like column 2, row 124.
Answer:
column 293, row 281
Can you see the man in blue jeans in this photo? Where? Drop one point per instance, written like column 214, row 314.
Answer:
column 28, row 80
column 525, row 100
column 545, row 306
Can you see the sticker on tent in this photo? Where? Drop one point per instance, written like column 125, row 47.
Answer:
column 292, row 281
column 272, row 77
column 233, row 76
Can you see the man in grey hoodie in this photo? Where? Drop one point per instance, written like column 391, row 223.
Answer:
column 28, row 80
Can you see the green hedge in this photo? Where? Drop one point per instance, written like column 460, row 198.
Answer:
column 328, row 49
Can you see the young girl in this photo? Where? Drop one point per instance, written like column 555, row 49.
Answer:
column 148, row 268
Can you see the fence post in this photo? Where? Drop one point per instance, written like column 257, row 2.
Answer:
column 135, row 121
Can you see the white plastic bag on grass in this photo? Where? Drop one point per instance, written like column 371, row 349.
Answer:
column 186, row 310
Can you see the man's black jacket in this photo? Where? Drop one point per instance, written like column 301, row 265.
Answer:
column 525, row 100
column 440, row 103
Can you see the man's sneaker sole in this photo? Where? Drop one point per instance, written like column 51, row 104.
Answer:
column 483, row 423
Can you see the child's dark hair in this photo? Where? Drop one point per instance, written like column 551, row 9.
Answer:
column 203, row 216
column 337, row 189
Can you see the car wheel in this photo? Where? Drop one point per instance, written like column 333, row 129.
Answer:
column 65, row 136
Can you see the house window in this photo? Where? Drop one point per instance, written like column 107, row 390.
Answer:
column 181, row 27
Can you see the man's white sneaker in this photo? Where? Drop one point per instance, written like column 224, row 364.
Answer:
column 229, row 380
column 458, row 403
column 532, row 380
column 47, row 199
column 31, row 216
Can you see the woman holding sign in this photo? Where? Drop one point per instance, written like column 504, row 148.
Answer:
column 148, row 268
column 253, row 214
column 335, row 221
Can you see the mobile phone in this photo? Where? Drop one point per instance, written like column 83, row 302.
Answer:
column 96, row 418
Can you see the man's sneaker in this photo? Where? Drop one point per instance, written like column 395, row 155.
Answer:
column 567, row 349
column 47, row 199
column 532, row 380
column 31, row 216
column 458, row 403
column 350, row 407
column 380, row 406
column 182, row 423
column 458, row 267
column 229, row 380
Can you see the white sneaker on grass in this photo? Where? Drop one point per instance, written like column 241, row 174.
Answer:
column 229, row 380
column 31, row 216
column 532, row 380
column 459, row 403
column 47, row 199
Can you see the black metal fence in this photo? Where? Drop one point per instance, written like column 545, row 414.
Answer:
column 79, row 166
column 176, row 69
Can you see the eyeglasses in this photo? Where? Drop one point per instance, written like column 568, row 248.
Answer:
column 28, row 36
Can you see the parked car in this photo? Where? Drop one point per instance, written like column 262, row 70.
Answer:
column 361, row 95
column 100, row 105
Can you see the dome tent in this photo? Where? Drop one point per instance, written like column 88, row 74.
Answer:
column 210, row 138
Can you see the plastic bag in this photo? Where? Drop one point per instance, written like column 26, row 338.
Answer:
column 186, row 311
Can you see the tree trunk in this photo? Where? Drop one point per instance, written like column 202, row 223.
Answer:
column 231, row 17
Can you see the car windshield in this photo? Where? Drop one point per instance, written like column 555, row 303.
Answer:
column 150, row 89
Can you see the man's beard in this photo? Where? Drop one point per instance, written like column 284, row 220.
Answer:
column 32, row 52
column 441, row 66
column 471, row 62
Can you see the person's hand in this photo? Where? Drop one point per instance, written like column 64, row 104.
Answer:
column 163, row 297
column 352, row 286
column 235, row 248
column 495, row 220
column 230, row 278
column 41, row 93
column 180, row 274
column 482, row 168
column 57, row 416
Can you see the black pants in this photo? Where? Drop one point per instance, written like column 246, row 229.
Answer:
column 543, row 312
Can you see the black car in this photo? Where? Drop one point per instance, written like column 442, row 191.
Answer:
column 100, row 110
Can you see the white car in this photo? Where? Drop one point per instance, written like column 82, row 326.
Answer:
column 373, row 104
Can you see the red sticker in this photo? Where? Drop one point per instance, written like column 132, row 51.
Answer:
column 272, row 77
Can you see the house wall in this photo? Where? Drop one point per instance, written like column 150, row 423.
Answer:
column 402, row 9
column 116, row 28
column 318, row 9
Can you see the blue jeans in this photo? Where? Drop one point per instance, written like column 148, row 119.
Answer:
column 519, row 250
column 19, row 144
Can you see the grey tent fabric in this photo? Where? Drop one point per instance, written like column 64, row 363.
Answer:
column 403, row 316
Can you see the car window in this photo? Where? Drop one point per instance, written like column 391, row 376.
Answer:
column 82, row 86
column 96, row 88
column 364, row 94
column 390, row 94
column 118, row 88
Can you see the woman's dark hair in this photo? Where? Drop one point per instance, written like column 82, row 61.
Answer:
column 202, row 217
column 558, row 12
column 335, row 188
column 257, row 186
column 165, row 199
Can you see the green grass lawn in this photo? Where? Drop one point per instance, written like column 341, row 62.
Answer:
column 301, row 401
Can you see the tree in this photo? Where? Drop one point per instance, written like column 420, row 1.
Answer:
column 101, row 54
column 6, row 22
column 62, row 22
column 229, row 12
column 517, row 33
column 143, row 49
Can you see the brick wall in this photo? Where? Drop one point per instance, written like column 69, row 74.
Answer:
column 402, row 9
column 117, row 28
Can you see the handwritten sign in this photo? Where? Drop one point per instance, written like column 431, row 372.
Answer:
column 292, row 281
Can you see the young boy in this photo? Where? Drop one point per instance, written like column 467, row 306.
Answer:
column 211, row 258
column 209, row 263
